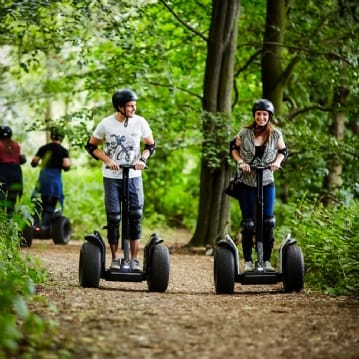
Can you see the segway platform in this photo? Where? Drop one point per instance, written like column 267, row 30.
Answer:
column 156, row 264
column 226, row 256
column 259, row 277
column 227, row 269
column 117, row 275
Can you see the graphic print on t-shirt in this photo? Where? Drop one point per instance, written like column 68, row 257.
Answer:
column 121, row 149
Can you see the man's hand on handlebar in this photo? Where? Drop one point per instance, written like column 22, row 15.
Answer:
column 112, row 165
column 139, row 165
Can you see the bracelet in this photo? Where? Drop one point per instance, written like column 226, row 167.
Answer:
column 240, row 162
column 143, row 160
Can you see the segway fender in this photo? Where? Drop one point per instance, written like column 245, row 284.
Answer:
column 228, row 242
column 287, row 241
column 153, row 241
column 96, row 239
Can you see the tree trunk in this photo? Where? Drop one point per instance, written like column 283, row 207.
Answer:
column 213, row 213
column 273, row 76
column 332, row 181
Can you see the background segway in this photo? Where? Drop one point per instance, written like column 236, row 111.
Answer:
column 61, row 230
column 27, row 235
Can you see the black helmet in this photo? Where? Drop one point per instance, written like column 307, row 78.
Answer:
column 264, row 105
column 56, row 134
column 121, row 97
column 5, row 132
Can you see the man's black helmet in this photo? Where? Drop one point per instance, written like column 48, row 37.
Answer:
column 56, row 134
column 263, row 105
column 121, row 97
column 5, row 132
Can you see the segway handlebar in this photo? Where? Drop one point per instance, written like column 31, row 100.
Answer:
column 132, row 167
column 260, row 167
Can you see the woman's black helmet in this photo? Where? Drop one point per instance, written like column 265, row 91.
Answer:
column 263, row 105
column 5, row 132
column 121, row 97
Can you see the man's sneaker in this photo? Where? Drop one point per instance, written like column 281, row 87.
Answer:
column 248, row 267
column 268, row 267
column 116, row 263
column 135, row 265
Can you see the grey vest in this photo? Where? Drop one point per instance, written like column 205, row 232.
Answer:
column 247, row 153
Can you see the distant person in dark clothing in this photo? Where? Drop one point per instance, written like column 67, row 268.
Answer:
column 11, row 182
column 53, row 158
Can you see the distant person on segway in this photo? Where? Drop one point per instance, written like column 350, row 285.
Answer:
column 121, row 134
column 263, row 142
column 53, row 158
column 11, row 181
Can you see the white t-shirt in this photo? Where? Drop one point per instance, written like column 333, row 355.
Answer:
column 122, row 143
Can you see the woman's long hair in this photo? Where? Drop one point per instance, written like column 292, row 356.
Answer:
column 264, row 131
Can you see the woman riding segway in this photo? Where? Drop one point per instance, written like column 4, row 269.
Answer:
column 260, row 140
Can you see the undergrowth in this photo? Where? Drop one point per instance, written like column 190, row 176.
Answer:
column 23, row 332
column 328, row 237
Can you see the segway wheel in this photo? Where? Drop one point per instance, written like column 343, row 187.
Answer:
column 27, row 234
column 61, row 230
column 90, row 265
column 159, row 269
column 293, row 269
column 224, row 270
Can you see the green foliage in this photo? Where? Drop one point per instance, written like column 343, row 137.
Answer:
column 330, row 243
column 21, row 329
column 63, row 60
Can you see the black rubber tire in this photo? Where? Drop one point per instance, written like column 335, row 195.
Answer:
column 224, row 270
column 159, row 269
column 27, row 234
column 61, row 230
column 90, row 265
column 293, row 269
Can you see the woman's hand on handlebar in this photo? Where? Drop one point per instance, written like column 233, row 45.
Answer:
column 275, row 166
column 245, row 167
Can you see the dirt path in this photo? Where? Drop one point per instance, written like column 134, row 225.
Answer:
column 124, row 320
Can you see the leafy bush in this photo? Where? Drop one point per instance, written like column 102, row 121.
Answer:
column 21, row 330
column 330, row 244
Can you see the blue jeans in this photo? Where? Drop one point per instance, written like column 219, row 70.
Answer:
column 113, row 197
column 247, row 202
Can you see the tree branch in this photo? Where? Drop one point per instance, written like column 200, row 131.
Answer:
column 188, row 27
column 297, row 112
column 175, row 87
column 248, row 62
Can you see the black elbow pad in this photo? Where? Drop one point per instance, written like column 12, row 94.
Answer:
column 233, row 146
column 90, row 148
column 151, row 148
column 284, row 152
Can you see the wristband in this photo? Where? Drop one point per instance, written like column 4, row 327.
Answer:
column 143, row 160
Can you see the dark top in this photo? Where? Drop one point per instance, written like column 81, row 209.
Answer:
column 52, row 155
